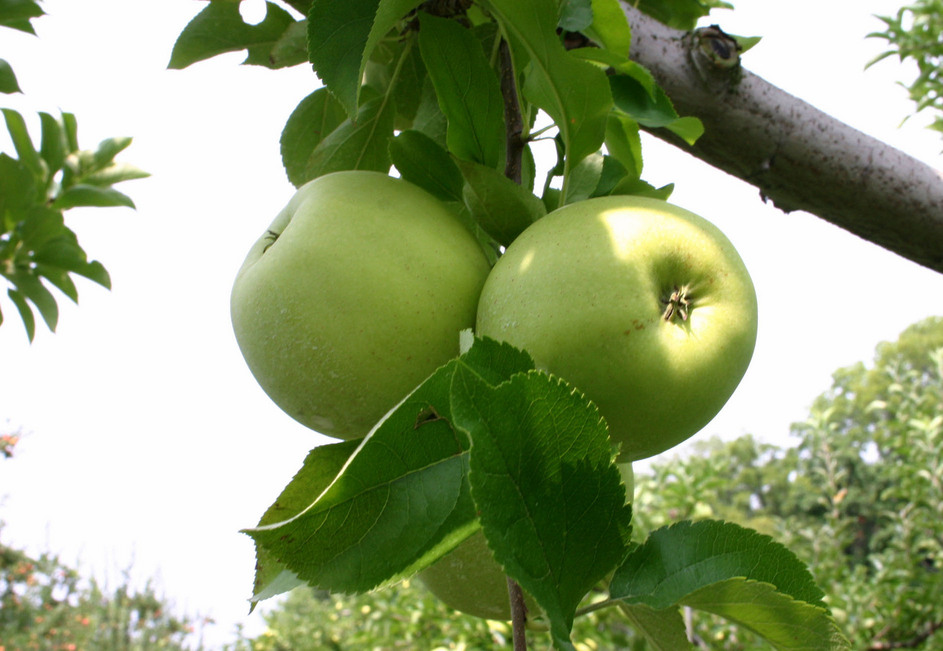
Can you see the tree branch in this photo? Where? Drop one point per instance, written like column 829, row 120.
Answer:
column 799, row 157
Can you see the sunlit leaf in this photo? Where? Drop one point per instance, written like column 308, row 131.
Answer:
column 219, row 28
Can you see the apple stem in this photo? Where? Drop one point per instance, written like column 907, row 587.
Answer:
column 518, row 615
column 678, row 304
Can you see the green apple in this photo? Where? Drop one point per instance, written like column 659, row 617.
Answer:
column 645, row 307
column 469, row 580
column 353, row 296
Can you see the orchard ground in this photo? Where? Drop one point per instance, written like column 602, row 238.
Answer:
column 147, row 441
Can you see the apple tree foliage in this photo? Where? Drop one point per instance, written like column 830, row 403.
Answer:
column 455, row 94
column 915, row 33
column 38, row 183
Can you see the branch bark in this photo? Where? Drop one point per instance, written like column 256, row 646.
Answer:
column 799, row 157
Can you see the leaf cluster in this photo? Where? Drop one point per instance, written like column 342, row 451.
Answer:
column 37, row 249
column 915, row 33
column 455, row 96
column 544, row 489
column 36, row 187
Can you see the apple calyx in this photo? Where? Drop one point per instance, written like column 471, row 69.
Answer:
column 677, row 304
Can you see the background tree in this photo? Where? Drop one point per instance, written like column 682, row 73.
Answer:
column 915, row 33
column 46, row 605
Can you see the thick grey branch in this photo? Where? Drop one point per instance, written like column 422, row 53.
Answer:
column 799, row 157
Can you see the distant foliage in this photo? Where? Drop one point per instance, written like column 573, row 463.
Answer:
column 45, row 605
column 915, row 34
column 408, row 617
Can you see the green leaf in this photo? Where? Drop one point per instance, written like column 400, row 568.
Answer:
column 8, row 83
column 786, row 623
column 575, row 15
column 23, row 144
column 400, row 501
column 624, row 143
column 82, row 195
column 320, row 468
column 651, row 107
column 17, row 188
column 60, row 279
column 610, row 27
column 664, row 630
column 421, row 161
column 500, row 206
column 467, row 88
column 26, row 313
column 733, row 572
column 342, row 36
column 542, row 477
column 40, row 226
column 572, row 92
column 105, row 153
column 219, row 28
column 115, row 173
column 16, row 14
column 53, row 145
column 316, row 116
column 685, row 557
column 291, row 48
column 429, row 119
column 33, row 289
column 357, row 144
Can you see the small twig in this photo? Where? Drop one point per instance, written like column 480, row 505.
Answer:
column 513, row 120
column 912, row 643
column 518, row 615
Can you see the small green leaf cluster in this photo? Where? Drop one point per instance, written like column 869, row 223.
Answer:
column 37, row 186
column 455, row 95
column 915, row 33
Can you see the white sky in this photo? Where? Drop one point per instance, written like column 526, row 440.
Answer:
column 147, row 441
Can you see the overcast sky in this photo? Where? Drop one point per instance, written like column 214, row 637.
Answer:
column 148, row 443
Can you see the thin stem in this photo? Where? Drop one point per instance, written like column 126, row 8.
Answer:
column 514, row 121
column 596, row 605
column 518, row 615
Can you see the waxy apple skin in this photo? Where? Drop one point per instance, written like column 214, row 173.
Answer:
column 645, row 307
column 353, row 296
